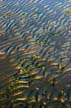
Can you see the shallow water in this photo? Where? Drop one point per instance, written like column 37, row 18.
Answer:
column 35, row 53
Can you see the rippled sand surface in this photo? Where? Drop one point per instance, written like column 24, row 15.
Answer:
column 35, row 53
